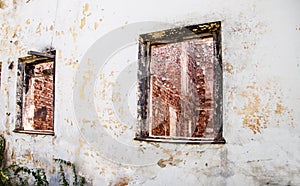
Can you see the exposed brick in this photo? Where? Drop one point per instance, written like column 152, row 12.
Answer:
column 193, row 100
column 40, row 94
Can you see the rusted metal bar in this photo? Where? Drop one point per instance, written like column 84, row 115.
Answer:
column 40, row 54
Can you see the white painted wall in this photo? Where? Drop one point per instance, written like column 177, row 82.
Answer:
column 261, row 43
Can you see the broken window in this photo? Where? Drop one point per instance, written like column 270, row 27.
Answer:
column 180, row 85
column 35, row 93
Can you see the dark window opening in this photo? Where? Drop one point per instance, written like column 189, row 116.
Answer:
column 35, row 93
column 180, row 85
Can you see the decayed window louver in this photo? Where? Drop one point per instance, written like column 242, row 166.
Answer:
column 180, row 85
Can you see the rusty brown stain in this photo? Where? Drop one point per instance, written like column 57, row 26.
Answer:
column 250, row 87
column 257, row 111
column 102, row 171
column 2, row 4
column 59, row 54
column 158, row 34
column 13, row 155
column 162, row 163
column 101, row 76
column 96, row 26
column 27, row 155
column 279, row 108
column 253, row 117
column 27, row 21
column 259, row 27
column 91, row 122
column 228, row 68
column 72, row 63
column 7, row 30
column 123, row 181
column 17, row 28
column 85, row 15
column 171, row 161
column 52, row 170
column 85, row 8
column 86, row 79
column 82, row 22
column 51, row 28
column 38, row 29
column 81, row 143
column 74, row 34
column 246, row 46
column 67, row 120
column 90, row 63
column 53, row 140
column 244, row 94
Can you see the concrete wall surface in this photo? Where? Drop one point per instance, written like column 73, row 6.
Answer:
column 96, row 45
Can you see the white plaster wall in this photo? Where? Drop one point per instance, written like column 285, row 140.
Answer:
column 261, row 58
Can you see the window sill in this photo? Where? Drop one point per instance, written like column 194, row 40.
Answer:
column 39, row 132
column 182, row 140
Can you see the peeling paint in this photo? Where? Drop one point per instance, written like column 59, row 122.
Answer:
column 96, row 25
column 74, row 34
column 86, row 79
column 39, row 29
column 171, row 161
column 257, row 113
column 123, row 182
column 72, row 63
column 260, row 88
column 228, row 68
column 59, row 54
column 82, row 22
column 279, row 108
column 27, row 21
column 2, row 4
column 85, row 8
column 253, row 119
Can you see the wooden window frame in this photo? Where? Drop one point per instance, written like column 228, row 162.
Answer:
column 174, row 35
column 33, row 58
